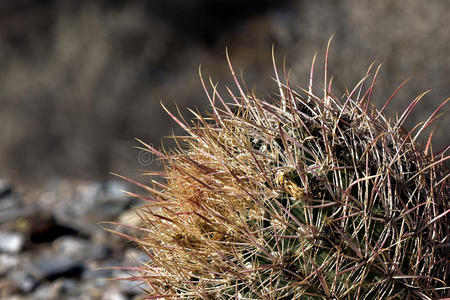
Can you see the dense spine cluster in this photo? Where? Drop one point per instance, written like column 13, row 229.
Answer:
column 302, row 197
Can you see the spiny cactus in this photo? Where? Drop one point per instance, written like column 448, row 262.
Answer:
column 299, row 197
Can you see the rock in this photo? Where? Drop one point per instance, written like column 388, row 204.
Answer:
column 14, row 212
column 135, row 257
column 79, row 249
column 47, row 291
column 51, row 267
column 6, row 189
column 72, row 247
column 24, row 281
column 99, row 272
column 130, row 218
column 113, row 294
column 11, row 206
column 7, row 262
column 90, row 204
column 10, row 242
column 67, row 289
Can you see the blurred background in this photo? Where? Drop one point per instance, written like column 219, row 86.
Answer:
column 79, row 80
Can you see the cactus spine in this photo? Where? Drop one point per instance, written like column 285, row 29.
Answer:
column 301, row 197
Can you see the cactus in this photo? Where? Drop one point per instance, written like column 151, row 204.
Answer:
column 298, row 197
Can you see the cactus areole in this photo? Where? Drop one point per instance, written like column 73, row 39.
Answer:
column 304, row 196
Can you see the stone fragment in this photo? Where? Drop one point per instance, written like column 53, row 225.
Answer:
column 11, row 242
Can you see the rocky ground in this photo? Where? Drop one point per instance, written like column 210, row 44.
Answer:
column 53, row 247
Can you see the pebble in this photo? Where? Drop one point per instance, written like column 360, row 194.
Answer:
column 11, row 242
column 7, row 262
column 13, row 211
column 79, row 249
column 6, row 189
column 49, row 267
column 90, row 204
column 47, row 291
column 113, row 294
column 11, row 206
column 24, row 281
column 130, row 218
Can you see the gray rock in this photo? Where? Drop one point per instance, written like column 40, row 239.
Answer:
column 11, row 242
column 79, row 249
column 90, row 204
column 7, row 262
column 99, row 273
column 24, row 281
column 6, row 189
column 70, row 287
column 51, row 266
column 14, row 212
column 11, row 206
column 58, row 289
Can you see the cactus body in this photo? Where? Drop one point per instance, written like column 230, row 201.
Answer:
column 300, row 197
